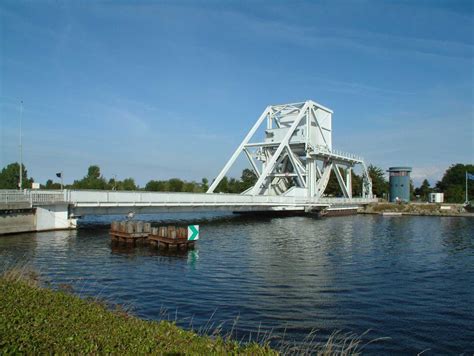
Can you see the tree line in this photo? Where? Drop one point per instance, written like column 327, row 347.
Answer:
column 452, row 184
column 9, row 178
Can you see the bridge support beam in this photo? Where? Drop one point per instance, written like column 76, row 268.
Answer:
column 296, row 157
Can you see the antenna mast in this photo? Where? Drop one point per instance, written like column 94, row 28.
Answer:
column 20, row 184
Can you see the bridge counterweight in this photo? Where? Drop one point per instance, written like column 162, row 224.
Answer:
column 296, row 157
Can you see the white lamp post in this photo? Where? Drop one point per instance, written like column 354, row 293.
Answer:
column 20, row 184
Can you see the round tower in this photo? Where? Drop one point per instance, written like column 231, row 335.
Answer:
column 399, row 178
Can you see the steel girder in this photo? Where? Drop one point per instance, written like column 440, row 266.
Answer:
column 296, row 156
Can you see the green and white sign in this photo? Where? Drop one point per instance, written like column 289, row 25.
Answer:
column 193, row 232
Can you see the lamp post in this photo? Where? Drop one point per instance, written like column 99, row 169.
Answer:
column 467, row 197
column 20, row 184
column 60, row 175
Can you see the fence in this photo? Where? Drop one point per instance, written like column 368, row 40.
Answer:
column 13, row 196
column 335, row 201
column 32, row 197
column 151, row 198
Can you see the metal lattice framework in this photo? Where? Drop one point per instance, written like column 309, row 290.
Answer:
column 296, row 157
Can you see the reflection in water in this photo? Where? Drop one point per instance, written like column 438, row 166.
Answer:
column 454, row 241
column 409, row 278
column 143, row 249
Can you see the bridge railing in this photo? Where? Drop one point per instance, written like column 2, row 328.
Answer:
column 97, row 198
column 8, row 196
column 120, row 198
column 13, row 196
column 347, row 155
column 337, row 154
column 151, row 198
column 347, row 200
column 47, row 197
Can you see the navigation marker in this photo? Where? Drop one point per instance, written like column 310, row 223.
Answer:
column 193, row 232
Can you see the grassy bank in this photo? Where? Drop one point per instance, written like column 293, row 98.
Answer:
column 423, row 209
column 38, row 320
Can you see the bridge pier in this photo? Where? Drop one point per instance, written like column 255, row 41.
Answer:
column 54, row 217
column 17, row 218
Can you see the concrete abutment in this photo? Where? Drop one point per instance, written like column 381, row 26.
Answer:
column 19, row 219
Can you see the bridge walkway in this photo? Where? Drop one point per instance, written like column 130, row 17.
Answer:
column 97, row 202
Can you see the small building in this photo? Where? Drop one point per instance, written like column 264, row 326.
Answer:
column 399, row 178
column 436, row 198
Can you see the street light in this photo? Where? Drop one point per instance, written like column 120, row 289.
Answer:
column 20, row 184
column 60, row 175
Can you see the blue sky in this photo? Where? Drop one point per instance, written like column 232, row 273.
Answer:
column 156, row 90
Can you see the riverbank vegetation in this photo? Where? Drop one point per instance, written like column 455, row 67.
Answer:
column 452, row 183
column 35, row 320
column 420, row 209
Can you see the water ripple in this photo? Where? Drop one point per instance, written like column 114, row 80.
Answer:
column 409, row 278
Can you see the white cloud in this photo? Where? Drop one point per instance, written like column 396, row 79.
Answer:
column 432, row 173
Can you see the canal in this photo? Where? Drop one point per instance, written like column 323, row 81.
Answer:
column 410, row 279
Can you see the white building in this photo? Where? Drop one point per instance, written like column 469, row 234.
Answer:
column 436, row 197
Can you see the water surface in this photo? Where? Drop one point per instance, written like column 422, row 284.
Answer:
column 407, row 278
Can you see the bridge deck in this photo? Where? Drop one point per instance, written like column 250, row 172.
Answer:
column 113, row 202
column 96, row 202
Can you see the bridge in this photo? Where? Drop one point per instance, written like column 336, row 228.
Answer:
column 292, row 163
column 94, row 202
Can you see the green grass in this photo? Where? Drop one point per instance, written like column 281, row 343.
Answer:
column 412, row 208
column 38, row 320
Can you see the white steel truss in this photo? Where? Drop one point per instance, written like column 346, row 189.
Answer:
column 296, row 157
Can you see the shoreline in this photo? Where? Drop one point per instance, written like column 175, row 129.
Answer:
column 415, row 209
column 36, row 319
column 396, row 213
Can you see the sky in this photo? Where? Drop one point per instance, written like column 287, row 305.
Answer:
column 155, row 90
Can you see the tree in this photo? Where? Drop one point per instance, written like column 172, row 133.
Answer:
column 127, row 184
column 234, row 186
column 112, row 184
column 248, row 178
column 191, row 187
column 332, row 188
column 424, row 190
column 237, row 186
column 379, row 183
column 10, row 177
column 356, row 185
column 175, row 185
column 453, row 183
column 156, row 186
column 51, row 185
column 93, row 180
column 93, row 172
column 204, row 184
column 223, row 186
column 412, row 190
